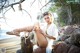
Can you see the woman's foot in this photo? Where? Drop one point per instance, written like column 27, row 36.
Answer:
column 12, row 33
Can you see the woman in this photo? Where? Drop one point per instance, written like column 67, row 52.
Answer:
column 51, row 31
column 45, row 36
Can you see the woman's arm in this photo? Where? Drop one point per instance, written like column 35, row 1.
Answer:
column 46, row 35
column 51, row 37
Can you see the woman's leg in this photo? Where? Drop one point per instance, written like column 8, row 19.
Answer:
column 41, row 39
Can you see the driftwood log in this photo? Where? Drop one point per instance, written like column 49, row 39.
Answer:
column 26, row 45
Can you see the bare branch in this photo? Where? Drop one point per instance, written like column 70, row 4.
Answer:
column 14, row 3
column 27, row 13
column 45, row 5
column 33, row 2
column 40, row 2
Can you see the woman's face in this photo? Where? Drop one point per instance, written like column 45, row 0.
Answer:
column 47, row 18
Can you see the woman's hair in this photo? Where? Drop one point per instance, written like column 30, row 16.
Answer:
column 46, row 13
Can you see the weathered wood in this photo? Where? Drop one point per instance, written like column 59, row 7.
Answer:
column 26, row 45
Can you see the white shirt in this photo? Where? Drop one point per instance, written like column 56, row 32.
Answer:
column 51, row 30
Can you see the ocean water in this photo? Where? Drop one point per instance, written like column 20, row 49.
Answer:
column 3, row 35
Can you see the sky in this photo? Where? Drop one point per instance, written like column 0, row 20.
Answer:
column 21, row 18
